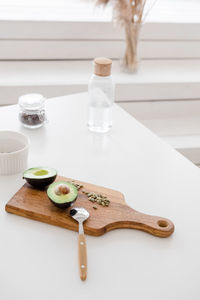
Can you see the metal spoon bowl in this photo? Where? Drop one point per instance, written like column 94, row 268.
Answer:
column 79, row 214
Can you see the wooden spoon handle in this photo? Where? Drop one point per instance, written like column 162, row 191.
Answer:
column 82, row 256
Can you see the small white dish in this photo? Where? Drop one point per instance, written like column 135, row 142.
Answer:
column 14, row 147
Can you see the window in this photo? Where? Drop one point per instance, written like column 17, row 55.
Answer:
column 63, row 29
column 46, row 47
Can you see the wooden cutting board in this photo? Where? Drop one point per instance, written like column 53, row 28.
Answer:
column 34, row 204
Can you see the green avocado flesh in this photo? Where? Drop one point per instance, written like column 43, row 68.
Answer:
column 41, row 173
column 40, row 176
column 62, row 200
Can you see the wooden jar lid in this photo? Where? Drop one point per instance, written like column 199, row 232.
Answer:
column 102, row 66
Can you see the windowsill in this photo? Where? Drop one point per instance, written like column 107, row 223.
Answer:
column 155, row 79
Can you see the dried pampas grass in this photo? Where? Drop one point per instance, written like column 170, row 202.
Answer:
column 129, row 14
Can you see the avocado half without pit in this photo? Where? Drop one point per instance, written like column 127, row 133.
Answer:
column 40, row 177
column 62, row 193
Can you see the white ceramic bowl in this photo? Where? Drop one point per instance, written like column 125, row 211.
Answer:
column 14, row 147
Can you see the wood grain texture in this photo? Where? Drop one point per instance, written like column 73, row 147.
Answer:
column 82, row 254
column 34, row 204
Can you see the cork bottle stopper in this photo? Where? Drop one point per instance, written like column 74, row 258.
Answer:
column 102, row 66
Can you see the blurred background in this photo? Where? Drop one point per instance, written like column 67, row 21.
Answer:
column 47, row 47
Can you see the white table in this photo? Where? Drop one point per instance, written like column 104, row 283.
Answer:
column 39, row 261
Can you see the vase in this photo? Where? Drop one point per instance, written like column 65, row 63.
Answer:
column 130, row 60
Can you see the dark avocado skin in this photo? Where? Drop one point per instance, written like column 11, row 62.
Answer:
column 63, row 205
column 40, row 183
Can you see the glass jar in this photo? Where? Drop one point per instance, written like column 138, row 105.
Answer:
column 32, row 110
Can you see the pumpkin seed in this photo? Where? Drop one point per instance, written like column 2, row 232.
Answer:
column 93, row 197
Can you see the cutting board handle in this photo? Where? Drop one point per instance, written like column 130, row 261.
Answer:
column 130, row 218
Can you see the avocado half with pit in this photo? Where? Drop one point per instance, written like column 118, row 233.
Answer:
column 40, row 177
column 62, row 193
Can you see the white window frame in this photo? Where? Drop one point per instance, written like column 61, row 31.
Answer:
column 86, row 35
column 64, row 40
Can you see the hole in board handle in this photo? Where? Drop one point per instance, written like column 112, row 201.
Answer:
column 162, row 223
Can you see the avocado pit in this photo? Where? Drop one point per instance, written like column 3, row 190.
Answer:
column 62, row 194
column 62, row 189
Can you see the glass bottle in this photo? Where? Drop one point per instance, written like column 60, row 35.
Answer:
column 101, row 96
column 32, row 110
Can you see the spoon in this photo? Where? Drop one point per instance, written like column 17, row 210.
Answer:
column 80, row 215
